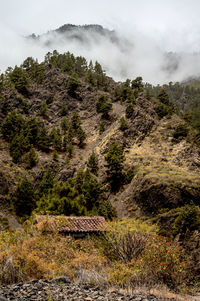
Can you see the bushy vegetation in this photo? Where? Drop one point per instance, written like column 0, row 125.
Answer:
column 67, row 62
column 28, row 255
column 129, row 110
column 123, row 124
column 73, row 86
column 187, row 220
column 180, row 132
column 130, row 253
column 103, row 106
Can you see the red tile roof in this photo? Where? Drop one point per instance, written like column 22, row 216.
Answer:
column 71, row 223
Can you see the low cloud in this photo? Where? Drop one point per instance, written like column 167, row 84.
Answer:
column 123, row 53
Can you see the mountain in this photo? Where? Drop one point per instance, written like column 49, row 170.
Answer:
column 75, row 142
column 82, row 35
column 130, row 52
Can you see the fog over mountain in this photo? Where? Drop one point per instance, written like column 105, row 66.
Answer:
column 160, row 41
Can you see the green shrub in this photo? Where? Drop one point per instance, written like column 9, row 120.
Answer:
column 64, row 125
column 73, row 86
column 126, row 238
column 162, row 110
column 123, row 124
column 43, row 140
column 180, row 132
column 64, row 109
column 101, row 127
column 81, row 135
column 76, row 122
column 129, row 110
column 43, row 109
column 164, row 97
column 31, row 159
column 188, row 220
column 56, row 139
column 103, row 106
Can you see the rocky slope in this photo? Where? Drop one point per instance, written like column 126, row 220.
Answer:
column 166, row 172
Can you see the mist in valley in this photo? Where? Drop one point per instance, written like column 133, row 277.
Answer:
column 149, row 43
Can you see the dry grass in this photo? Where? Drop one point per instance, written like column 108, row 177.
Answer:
column 156, row 157
column 163, row 292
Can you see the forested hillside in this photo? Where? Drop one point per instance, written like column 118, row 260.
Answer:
column 75, row 142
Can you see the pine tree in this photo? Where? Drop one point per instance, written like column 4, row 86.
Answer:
column 32, row 159
column 43, row 109
column 23, row 200
column 81, row 135
column 101, row 127
column 164, row 97
column 43, row 140
column 93, row 163
column 70, row 149
column 56, row 139
column 123, row 124
column 103, row 106
column 73, row 85
column 75, row 122
column 115, row 159
column 64, row 109
column 129, row 110
column 20, row 79
column 64, row 125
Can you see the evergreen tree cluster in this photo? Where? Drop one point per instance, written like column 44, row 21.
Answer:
column 103, row 106
column 165, row 106
column 80, row 195
column 35, row 70
column 19, row 78
column 25, row 134
column 77, row 67
column 129, row 90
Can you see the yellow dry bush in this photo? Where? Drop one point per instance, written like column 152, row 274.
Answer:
column 120, row 275
column 30, row 255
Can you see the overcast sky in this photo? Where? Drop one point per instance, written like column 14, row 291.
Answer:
column 25, row 16
column 173, row 25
